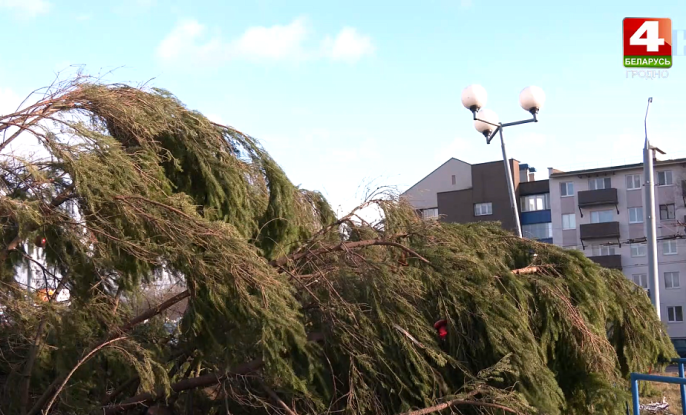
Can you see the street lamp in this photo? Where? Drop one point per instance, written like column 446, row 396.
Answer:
column 486, row 122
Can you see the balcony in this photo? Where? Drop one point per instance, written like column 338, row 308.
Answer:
column 603, row 230
column 534, row 188
column 598, row 197
column 608, row 261
column 537, row 216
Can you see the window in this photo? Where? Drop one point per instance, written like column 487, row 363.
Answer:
column 566, row 189
column 671, row 279
column 636, row 215
column 603, row 250
column 638, row 250
column 569, row 221
column 482, row 209
column 454, row 180
column 669, row 247
column 538, row 231
column 641, row 280
column 675, row 314
column 633, row 181
column 535, row 202
column 664, row 178
column 599, row 183
column 602, row 216
column 667, row 212
column 430, row 213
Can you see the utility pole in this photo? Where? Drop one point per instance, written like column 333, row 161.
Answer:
column 651, row 237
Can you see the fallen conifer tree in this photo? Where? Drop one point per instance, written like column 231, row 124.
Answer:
column 288, row 309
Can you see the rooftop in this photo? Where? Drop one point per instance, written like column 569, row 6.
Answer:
column 470, row 164
column 557, row 173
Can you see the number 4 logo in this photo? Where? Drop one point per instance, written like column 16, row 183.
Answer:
column 647, row 42
column 652, row 40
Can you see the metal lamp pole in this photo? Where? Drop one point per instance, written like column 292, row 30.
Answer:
column 474, row 99
column 651, row 237
column 508, row 174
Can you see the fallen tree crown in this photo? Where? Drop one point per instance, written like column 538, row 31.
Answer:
column 284, row 307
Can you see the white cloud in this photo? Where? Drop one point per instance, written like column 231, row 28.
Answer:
column 189, row 42
column 466, row 3
column 83, row 17
column 182, row 42
column 348, row 46
column 276, row 42
column 26, row 8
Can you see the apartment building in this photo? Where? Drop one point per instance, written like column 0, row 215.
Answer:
column 461, row 192
column 602, row 212
column 598, row 211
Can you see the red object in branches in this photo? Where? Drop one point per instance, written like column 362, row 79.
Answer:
column 441, row 326
column 40, row 241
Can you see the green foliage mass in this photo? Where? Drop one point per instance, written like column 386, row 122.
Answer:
column 136, row 188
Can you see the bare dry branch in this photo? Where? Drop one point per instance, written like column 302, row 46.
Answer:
column 344, row 246
column 80, row 362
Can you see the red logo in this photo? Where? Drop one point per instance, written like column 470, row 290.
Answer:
column 647, row 42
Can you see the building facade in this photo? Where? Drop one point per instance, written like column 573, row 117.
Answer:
column 598, row 211
column 461, row 192
column 535, row 210
column 602, row 212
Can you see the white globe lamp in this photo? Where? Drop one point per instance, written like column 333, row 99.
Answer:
column 532, row 99
column 485, row 122
column 474, row 97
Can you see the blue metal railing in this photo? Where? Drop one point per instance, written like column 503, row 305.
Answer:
column 681, row 380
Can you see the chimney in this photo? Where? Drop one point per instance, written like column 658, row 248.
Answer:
column 523, row 173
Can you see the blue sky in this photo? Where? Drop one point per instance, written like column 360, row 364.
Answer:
column 345, row 93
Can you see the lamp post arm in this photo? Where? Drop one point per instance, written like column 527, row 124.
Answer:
column 490, row 138
column 484, row 121
column 509, row 124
